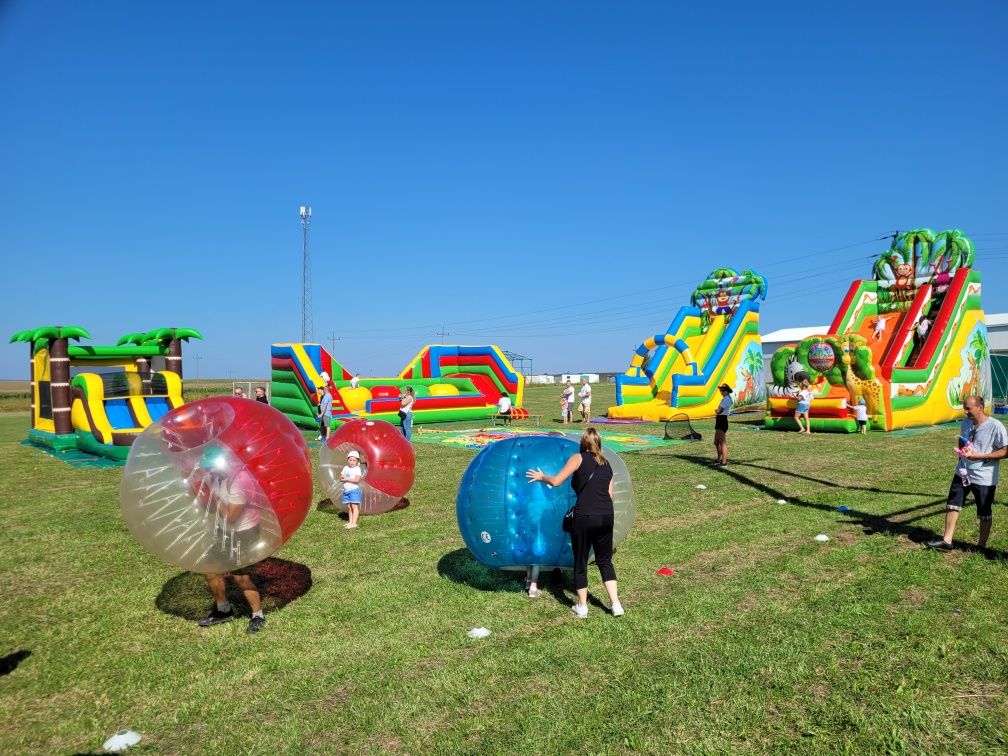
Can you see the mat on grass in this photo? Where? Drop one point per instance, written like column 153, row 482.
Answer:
column 478, row 438
column 75, row 457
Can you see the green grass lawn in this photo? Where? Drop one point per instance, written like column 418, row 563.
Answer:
column 763, row 640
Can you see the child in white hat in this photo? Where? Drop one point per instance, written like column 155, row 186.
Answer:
column 350, row 477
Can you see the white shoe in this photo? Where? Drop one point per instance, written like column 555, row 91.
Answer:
column 533, row 592
column 580, row 611
column 318, row 438
column 617, row 609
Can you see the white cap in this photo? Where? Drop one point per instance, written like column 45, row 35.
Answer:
column 324, row 376
column 353, row 453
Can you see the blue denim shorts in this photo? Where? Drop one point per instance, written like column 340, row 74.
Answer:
column 352, row 497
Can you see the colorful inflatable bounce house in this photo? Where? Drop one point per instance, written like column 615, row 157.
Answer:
column 713, row 341
column 450, row 383
column 99, row 398
column 910, row 343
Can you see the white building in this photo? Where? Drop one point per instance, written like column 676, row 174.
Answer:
column 543, row 378
column 576, row 377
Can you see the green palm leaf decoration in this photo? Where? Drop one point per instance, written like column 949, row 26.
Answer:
column 47, row 333
column 169, row 334
column 131, row 338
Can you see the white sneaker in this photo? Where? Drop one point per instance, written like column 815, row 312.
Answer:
column 580, row 611
column 318, row 438
column 617, row 609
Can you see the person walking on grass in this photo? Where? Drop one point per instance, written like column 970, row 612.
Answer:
column 861, row 415
column 803, row 407
column 350, row 477
column 228, row 499
column 721, row 424
column 983, row 443
column 592, row 480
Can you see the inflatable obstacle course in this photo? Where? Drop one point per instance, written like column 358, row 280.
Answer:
column 451, row 382
column 712, row 341
column 99, row 398
column 911, row 342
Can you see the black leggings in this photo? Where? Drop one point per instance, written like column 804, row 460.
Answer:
column 592, row 532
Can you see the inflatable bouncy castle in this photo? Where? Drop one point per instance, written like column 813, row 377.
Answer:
column 100, row 398
column 450, row 382
column 714, row 340
column 909, row 343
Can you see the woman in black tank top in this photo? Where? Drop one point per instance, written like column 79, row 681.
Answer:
column 592, row 481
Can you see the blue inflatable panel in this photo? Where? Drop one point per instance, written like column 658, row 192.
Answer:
column 118, row 413
column 157, row 406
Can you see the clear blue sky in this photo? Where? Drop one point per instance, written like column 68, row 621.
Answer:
column 551, row 177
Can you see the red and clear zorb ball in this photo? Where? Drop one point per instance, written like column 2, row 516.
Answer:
column 386, row 458
column 217, row 484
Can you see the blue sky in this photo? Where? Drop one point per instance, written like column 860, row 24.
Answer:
column 551, row 177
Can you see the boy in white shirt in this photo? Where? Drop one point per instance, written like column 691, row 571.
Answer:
column 350, row 477
column 504, row 407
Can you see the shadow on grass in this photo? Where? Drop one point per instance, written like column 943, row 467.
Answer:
column 10, row 662
column 327, row 506
column 279, row 582
column 460, row 566
column 811, row 479
column 871, row 523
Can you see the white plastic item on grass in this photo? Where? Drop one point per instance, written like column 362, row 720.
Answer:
column 701, row 487
column 822, row 538
column 478, row 632
column 121, row 741
column 782, row 501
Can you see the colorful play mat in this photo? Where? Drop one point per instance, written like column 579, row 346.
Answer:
column 478, row 438
column 75, row 457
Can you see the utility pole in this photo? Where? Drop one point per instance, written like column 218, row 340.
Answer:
column 197, row 358
column 333, row 338
column 307, row 327
column 443, row 333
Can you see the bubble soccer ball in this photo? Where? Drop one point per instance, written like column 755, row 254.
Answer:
column 217, row 484
column 387, row 460
column 821, row 356
column 509, row 523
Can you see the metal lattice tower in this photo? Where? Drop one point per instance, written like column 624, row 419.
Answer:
column 307, row 326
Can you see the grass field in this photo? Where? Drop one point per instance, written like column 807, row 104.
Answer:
column 763, row 640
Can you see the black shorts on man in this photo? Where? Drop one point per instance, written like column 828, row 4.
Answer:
column 982, row 495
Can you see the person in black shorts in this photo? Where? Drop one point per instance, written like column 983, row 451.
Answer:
column 592, row 480
column 983, row 443
column 721, row 425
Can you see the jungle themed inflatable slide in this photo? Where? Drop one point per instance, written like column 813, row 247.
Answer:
column 911, row 342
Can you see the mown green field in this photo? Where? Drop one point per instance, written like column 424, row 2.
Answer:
column 763, row 640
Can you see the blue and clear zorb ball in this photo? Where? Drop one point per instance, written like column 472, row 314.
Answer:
column 509, row 522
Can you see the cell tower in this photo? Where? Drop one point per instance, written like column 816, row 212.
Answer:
column 307, row 327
